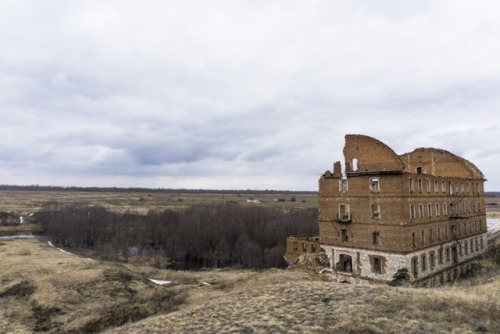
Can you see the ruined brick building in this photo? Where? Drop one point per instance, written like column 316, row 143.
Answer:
column 420, row 215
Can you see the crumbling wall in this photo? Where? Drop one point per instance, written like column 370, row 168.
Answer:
column 440, row 162
column 370, row 155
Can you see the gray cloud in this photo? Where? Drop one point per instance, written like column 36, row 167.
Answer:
column 238, row 94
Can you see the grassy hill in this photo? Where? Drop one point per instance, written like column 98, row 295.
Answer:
column 43, row 289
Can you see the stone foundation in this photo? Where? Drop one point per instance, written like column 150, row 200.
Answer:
column 432, row 266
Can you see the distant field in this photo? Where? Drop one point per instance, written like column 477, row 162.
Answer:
column 24, row 202
column 492, row 207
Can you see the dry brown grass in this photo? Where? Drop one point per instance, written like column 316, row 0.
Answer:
column 278, row 301
column 24, row 202
column 43, row 289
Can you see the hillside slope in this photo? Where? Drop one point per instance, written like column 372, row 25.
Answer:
column 45, row 290
column 298, row 302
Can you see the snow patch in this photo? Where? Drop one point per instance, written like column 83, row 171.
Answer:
column 19, row 236
column 62, row 250
column 160, row 282
column 493, row 224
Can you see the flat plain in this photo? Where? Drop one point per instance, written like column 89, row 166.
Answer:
column 24, row 202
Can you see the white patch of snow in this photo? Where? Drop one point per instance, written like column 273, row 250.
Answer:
column 62, row 250
column 19, row 236
column 493, row 224
column 20, row 219
column 205, row 283
column 160, row 282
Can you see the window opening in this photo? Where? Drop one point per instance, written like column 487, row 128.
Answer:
column 432, row 259
column 344, row 214
column 454, row 254
column 345, row 263
column 354, row 164
column 377, row 265
column 375, row 184
column 375, row 211
column 343, row 185
column 420, row 170
column 345, row 235
column 376, row 238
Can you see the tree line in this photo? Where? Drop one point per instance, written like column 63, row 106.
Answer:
column 203, row 235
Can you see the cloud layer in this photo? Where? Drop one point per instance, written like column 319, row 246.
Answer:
column 239, row 94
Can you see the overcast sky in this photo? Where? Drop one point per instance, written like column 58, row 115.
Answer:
column 240, row 94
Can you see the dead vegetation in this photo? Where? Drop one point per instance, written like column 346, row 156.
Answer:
column 278, row 301
column 51, row 291
column 48, row 291
column 44, row 290
column 24, row 202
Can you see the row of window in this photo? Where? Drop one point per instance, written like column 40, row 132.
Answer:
column 345, row 214
column 441, row 234
column 448, row 233
column 345, row 264
column 374, row 184
column 444, row 186
column 450, row 187
column 304, row 247
column 344, row 236
column 448, row 254
column 421, row 211
column 438, row 209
